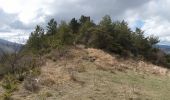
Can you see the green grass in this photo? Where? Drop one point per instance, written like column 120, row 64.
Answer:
column 129, row 85
column 151, row 86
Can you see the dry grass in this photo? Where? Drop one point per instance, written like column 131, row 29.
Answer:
column 101, row 57
column 104, row 78
column 105, row 61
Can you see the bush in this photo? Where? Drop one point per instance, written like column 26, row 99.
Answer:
column 31, row 84
column 9, row 83
column 6, row 96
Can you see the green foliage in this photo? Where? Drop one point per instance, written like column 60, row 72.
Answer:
column 6, row 96
column 65, row 34
column 54, row 42
column 52, row 27
column 36, row 40
column 74, row 25
column 9, row 83
column 106, row 22
column 84, row 19
column 84, row 33
column 100, row 39
column 113, row 37
column 153, row 40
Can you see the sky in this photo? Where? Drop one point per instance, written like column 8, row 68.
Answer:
column 19, row 17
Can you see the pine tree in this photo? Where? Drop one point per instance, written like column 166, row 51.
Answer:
column 52, row 27
column 35, row 41
column 74, row 25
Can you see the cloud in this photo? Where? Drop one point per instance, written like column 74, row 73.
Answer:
column 5, row 20
column 67, row 9
column 20, row 16
column 156, row 19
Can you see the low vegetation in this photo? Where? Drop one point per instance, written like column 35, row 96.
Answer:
column 95, row 74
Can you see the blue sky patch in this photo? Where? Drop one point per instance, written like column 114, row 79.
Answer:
column 139, row 23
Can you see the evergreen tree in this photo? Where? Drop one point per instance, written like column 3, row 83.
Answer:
column 65, row 33
column 74, row 25
column 52, row 27
column 84, row 33
column 84, row 19
column 100, row 39
column 153, row 40
column 35, row 41
column 106, row 22
column 114, row 37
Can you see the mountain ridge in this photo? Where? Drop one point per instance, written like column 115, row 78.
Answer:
column 9, row 47
column 165, row 48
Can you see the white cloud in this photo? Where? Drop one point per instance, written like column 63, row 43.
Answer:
column 158, row 27
column 27, row 10
column 18, row 16
column 13, row 37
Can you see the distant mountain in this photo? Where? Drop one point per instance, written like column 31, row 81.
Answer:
column 9, row 47
column 165, row 48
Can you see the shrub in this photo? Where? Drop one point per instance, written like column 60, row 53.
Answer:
column 35, row 71
column 6, row 96
column 31, row 84
column 9, row 83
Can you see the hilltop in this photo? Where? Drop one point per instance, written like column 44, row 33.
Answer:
column 92, row 74
column 82, row 60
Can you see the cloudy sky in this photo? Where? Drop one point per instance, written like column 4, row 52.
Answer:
column 19, row 17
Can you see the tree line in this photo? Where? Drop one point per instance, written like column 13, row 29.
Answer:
column 110, row 36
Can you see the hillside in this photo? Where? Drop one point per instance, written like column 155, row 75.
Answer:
column 82, row 60
column 8, row 47
column 165, row 48
column 92, row 74
column 84, row 50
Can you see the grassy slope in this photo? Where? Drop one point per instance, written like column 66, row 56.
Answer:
column 80, row 78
